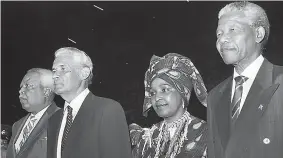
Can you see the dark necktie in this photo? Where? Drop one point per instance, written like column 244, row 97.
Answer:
column 239, row 80
column 68, row 125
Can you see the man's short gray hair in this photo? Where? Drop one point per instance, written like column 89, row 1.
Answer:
column 46, row 80
column 79, row 56
column 253, row 12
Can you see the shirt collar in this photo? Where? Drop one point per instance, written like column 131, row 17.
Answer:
column 76, row 103
column 40, row 113
column 252, row 69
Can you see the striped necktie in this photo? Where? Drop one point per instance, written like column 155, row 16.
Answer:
column 239, row 80
column 68, row 125
column 27, row 130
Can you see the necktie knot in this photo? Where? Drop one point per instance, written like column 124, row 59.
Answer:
column 240, row 80
column 69, row 109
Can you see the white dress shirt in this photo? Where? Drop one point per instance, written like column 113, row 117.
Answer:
column 37, row 117
column 75, row 104
column 250, row 72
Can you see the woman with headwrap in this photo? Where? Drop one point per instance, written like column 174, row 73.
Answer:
column 169, row 82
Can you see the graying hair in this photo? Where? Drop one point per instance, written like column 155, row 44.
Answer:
column 253, row 12
column 79, row 56
column 42, row 72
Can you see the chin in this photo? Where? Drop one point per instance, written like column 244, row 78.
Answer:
column 162, row 114
column 58, row 91
column 26, row 107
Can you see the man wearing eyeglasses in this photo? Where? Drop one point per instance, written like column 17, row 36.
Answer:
column 29, row 134
column 89, row 126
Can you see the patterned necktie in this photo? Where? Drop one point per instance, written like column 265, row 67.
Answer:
column 68, row 125
column 27, row 130
column 237, row 97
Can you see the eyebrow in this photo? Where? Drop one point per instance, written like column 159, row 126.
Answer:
column 61, row 65
column 22, row 83
column 164, row 84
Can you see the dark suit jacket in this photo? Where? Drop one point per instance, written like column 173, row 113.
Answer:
column 36, row 144
column 99, row 130
column 258, row 131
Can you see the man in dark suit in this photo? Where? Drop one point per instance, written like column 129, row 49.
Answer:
column 245, row 112
column 89, row 126
column 29, row 134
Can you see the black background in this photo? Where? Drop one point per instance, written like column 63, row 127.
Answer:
column 120, row 40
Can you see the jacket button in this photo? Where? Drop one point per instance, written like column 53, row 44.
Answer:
column 266, row 141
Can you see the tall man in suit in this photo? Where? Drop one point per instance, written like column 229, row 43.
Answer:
column 89, row 126
column 245, row 112
column 29, row 134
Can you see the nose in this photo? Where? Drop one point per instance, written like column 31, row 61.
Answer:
column 157, row 97
column 55, row 75
column 223, row 39
column 22, row 92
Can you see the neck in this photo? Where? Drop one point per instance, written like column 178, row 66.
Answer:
column 68, row 97
column 243, row 64
column 178, row 115
column 44, row 106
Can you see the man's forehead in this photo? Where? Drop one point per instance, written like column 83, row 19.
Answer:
column 233, row 17
column 31, row 77
column 63, row 61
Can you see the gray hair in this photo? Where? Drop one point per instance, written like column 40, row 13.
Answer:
column 46, row 80
column 256, row 15
column 79, row 56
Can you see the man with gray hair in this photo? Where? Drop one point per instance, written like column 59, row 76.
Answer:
column 245, row 112
column 29, row 134
column 89, row 126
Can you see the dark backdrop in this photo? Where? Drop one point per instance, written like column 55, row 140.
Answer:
column 120, row 39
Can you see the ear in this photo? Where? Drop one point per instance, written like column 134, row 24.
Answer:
column 85, row 72
column 47, row 92
column 260, row 33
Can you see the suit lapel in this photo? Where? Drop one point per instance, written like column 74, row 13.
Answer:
column 262, row 81
column 18, row 133
column 223, row 112
column 40, row 126
column 255, row 105
column 78, row 124
column 53, row 132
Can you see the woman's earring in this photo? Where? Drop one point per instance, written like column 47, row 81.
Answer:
column 183, row 104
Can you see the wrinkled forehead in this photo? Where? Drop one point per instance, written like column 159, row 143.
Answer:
column 234, row 17
column 31, row 77
column 66, row 60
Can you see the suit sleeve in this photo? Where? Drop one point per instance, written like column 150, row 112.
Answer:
column 210, row 145
column 114, row 133
column 9, row 152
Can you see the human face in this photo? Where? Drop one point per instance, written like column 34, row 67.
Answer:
column 236, row 41
column 32, row 93
column 166, row 100
column 66, row 75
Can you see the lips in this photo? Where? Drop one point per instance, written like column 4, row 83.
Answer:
column 223, row 49
column 23, row 100
column 159, row 105
column 57, row 85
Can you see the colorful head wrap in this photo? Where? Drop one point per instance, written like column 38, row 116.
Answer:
column 179, row 72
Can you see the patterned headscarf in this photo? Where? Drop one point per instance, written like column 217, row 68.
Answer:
column 179, row 72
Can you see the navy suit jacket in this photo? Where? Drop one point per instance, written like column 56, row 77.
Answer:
column 99, row 130
column 258, row 131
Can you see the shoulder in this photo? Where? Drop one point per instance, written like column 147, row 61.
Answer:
column 20, row 121
column 220, row 86
column 278, row 73
column 198, row 124
column 106, row 103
